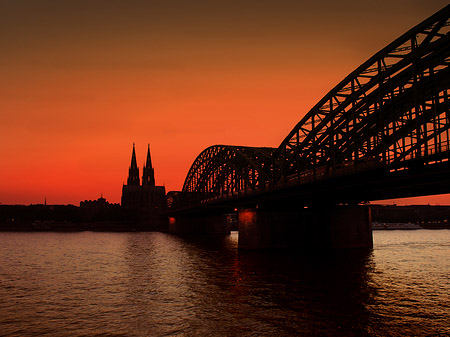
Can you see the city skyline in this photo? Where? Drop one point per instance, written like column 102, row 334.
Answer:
column 84, row 80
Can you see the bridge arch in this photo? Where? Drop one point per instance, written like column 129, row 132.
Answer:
column 390, row 112
column 393, row 108
column 226, row 170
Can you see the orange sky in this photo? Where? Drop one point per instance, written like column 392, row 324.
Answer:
column 81, row 80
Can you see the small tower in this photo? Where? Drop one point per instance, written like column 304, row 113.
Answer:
column 148, row 174
column 133, row 172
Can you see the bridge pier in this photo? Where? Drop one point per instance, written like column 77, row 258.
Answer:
column 319, row 227
column 207, row 224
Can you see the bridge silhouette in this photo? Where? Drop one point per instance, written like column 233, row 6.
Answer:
column 381, row 133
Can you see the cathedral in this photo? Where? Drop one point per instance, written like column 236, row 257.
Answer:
column 146, row 197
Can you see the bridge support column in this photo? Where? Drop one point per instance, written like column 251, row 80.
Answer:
column 208, row 224
column 351, row 227
column 320, row 227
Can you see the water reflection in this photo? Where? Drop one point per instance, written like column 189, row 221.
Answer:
column 141, row 284
column 204, row 284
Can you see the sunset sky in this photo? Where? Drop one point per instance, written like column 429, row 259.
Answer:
column 81, row 80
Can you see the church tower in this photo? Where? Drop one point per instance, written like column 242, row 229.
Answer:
column 133, row 172
column 148, row 174
column 144, row 204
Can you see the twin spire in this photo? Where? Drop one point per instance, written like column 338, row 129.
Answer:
column 148, row 176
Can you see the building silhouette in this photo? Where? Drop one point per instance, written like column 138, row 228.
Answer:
column 145, row 197
column 133, row 172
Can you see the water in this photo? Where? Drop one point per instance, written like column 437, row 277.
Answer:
column 154, row 284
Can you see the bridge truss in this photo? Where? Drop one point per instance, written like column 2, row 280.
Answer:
column 392, row 110
column 226, row 170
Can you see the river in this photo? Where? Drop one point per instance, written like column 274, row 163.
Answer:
column 155, row 284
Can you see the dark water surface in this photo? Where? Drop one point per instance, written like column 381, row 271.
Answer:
column 154, row 284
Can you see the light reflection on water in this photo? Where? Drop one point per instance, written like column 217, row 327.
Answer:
column 154, row 284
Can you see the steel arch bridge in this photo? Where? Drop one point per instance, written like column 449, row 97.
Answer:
column 224, row 170
column 391, row 111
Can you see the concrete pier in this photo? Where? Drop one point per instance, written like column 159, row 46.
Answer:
column 207, row 224
column 321, row 227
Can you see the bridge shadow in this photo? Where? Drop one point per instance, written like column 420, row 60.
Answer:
column 296, row 292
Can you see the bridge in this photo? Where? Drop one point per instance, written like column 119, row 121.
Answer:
column 381, row 133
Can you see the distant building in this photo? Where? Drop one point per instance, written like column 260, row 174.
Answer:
column 99, row 203
column 146, row 197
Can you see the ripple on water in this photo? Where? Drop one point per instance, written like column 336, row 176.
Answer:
column 141, row 284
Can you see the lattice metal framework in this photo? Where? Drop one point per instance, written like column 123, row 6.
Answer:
column 222, row 170
column 393, row 108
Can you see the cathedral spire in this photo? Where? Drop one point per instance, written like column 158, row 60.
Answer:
column 149, row 158
column 133, row 172
column 133, row 158
column 148, row 176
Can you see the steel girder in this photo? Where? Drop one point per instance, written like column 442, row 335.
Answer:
column 222, row 170
column 394, row 107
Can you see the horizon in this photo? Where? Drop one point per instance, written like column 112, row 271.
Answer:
column 84, row 80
